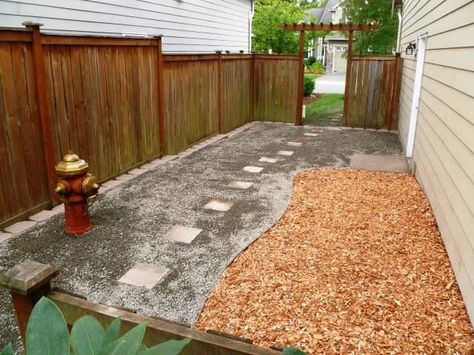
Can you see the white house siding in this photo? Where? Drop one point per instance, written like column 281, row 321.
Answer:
column 444, row 142
column 187, row 26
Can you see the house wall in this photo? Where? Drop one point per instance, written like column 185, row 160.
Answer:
column 191, row 26
column 444, row 143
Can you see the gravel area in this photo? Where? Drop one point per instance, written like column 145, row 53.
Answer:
column 355, row 265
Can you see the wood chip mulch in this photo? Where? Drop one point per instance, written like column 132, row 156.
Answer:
column 356, row 265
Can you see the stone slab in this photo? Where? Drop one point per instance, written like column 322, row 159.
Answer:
column 28, row 275
column 182, row 234
column 253, row 169
column 286, row 153
column 145, row 275
column 124, row 177
column 295, row 144
column 5, row 236
column 243, row 185
column 373, row 162
column 44, row 215
column 138, row 171
column 268, row 160
column 20, row 227
column 218, row 205
column 311, row 134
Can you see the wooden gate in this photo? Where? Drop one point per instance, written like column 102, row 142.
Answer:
column 373, row 92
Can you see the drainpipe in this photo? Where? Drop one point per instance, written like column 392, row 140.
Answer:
column 399, row 35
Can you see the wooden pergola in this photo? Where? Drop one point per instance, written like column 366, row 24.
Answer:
column 342, row 27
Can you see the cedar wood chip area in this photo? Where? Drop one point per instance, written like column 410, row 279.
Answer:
column 355, row 265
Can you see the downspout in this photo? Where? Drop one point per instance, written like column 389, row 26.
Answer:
column 399, row 35
column 251, row 14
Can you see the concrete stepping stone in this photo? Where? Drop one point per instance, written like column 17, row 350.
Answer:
column 218, row 205
column 182, row 234
column 268, row 160
column 124, row 177
column 295, row 144
column 311, row 134
column 253, row 169
column 20, row 227
column 374, row 162
column 5, row 236
column 286, row 153
column 240, row 185
column 145, row 275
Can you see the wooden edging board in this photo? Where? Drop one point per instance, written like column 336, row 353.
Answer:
column 157, row 331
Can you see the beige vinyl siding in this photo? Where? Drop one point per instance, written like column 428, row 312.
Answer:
column 191, row 26
column 443, row 155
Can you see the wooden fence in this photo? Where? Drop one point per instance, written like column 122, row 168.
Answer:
column 118, row 102
column 373, row 92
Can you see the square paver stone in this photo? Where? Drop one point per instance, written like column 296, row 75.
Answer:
column 218, row 205
column 182, row 234
column 43, row 215
column 20, row 227
column 268, row 160
column 253, row 169
column 295, row 144
column 373, row 162
column 145, row 275
column 243, row 185
column 5, row 236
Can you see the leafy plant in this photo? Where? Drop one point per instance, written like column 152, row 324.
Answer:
column 47, row 333
column 308, row 62
column 308, row 86
column 317, row 68
column 293, row 351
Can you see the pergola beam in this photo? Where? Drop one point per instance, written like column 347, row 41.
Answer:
column 329, row 27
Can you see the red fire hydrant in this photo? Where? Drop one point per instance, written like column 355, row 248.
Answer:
column 74, row 187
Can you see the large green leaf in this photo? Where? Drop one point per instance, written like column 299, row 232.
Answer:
column 87, row 336
column 7, row 350
column 293, row 351
column 47, row 332
column 171, row 347
column 127, row 344
column 112, row 332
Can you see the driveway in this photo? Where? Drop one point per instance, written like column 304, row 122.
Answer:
column 333, row 83
column 132, row 221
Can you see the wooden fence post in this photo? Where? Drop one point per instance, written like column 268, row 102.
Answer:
column 252, row 88
column 348, row 76
column 396, row 91
column 299, row 101
column 160, row 98
column 42, row 97
column 220, row 95
column 27, row 282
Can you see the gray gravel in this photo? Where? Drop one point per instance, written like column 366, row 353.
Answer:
column 130, row 220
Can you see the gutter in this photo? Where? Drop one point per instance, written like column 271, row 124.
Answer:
column 251, row 15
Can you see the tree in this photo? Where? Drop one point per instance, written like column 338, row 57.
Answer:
column 381, row 41
column 269, row 15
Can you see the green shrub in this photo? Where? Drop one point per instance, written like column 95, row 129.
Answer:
column 308, row 62
column 317, row 68
column 308, row 86
column 47, row 333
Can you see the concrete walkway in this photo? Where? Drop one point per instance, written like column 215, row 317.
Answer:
column 333, row 83
column 137, row 223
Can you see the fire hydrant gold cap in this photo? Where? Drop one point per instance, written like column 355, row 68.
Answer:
column 71, row 165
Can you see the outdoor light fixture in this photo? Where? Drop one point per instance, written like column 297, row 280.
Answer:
column 410, row 48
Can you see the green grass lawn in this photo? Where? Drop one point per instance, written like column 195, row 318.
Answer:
column 326, row 111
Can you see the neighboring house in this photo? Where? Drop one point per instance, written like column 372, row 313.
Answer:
column 190, row 26
column 436, row 121
column 331, row 49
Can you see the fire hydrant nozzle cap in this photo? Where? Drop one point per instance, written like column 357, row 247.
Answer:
column 71, row 165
